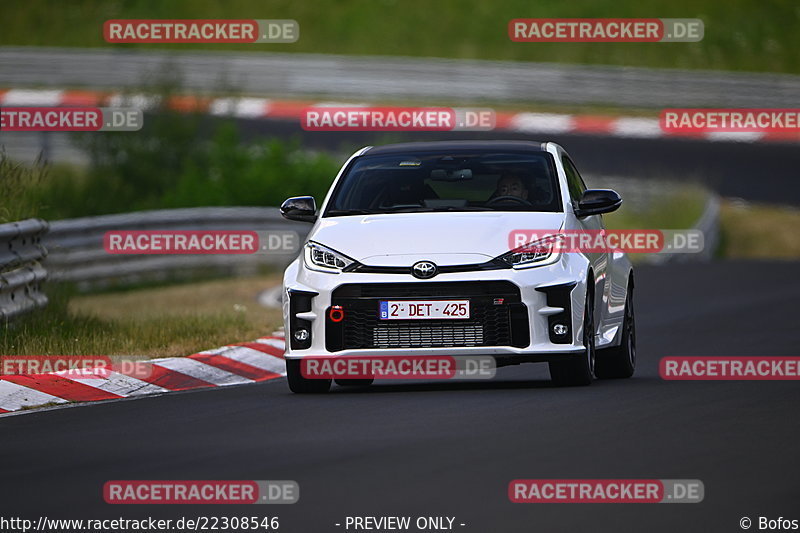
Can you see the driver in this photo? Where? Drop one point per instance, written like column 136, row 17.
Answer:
column 511, row 185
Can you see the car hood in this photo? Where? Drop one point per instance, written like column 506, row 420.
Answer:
column 400, row 239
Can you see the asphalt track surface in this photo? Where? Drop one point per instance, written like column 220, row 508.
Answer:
column 450, row 449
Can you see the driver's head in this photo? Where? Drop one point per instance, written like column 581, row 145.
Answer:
column 512, row 185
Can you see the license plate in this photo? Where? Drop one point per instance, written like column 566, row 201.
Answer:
column 423, row 309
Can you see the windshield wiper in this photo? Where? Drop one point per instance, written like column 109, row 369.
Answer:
column 463, row 208
column 403, row 209
column 452, row 208
column 345, row 212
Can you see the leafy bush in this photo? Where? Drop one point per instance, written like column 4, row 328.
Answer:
column 262, row 174
column 176, row 160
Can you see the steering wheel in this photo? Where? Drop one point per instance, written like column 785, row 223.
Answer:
column 508, row 198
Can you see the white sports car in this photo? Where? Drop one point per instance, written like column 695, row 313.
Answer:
column 430, row 223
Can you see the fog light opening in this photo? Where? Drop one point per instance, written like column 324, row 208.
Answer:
column 336, row 313
column 560, row 329
column 301, row 335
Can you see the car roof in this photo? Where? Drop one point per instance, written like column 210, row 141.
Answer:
column 452, row 146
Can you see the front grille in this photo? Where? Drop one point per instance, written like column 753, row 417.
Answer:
column 491, row 323
column 427, row 336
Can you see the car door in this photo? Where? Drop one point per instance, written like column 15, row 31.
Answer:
column 594, row 223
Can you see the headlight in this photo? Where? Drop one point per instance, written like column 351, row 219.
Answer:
column 322, row 258
column 536, row 252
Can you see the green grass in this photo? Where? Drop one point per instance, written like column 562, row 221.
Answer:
column 679, row 208
column 19, row 187
column 749, row 35
column 759, row 231
column 164, row 170
column 161, row 321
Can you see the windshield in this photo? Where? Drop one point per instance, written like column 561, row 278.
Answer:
column 424, row 182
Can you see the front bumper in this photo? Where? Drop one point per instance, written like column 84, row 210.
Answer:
column 518, row 328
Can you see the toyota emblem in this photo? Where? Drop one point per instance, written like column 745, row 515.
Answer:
column 424, row 270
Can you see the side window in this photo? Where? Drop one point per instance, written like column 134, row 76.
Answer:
column 574, row 180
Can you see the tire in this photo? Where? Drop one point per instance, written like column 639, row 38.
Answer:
column 300, row 385
column 354, row 382
column 578, row 371
column 619, row 362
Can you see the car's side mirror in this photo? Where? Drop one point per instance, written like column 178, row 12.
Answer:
column 302, row 208
column 597, row 202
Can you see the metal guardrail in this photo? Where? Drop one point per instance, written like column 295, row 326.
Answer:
column 21, row 272
column 708, row 225
column 77, row 254
column 332, row 76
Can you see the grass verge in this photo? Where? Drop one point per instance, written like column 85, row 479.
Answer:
column 739, row 34
column 161, row 321
column 677, row 208
column 759, row 231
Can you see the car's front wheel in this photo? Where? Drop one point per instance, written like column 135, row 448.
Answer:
column 300, row 385
column 620, row 361
column 578, row 371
